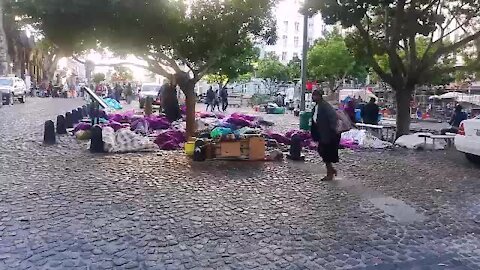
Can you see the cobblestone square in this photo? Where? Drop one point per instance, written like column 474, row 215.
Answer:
column 64, row 208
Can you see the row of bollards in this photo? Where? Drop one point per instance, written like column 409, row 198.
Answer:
column 69, row 120
column 63, row 123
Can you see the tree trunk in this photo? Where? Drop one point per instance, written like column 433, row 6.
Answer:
column 187, row 85
column 3, row 44
column 190, row 102
column 403, row 98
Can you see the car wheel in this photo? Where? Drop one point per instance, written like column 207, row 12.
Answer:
column 473, row 158
column 22, row 99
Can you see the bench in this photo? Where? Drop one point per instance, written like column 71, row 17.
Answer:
column 448, row 138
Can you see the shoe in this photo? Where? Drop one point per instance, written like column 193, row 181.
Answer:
column 327, row 178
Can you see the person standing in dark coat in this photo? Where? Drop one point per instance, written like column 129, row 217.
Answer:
column 370, row 112
column 458, row 116
column 210, row 99
column 324, row 131
column 224, row 98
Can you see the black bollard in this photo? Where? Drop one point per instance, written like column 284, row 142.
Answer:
column 78, row 116
column 61, row 127
column 80, row 110
column 74, row 117
column 296, row 149
column 49, row 133
column 85, row 111
column 68, row 120
column 96, row 140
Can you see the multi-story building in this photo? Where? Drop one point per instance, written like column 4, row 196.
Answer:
column 290, row 31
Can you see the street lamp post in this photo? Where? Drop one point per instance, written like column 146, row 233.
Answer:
column 304, row 61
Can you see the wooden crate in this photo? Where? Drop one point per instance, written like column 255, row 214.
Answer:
column 228, row 150
column 256, row 148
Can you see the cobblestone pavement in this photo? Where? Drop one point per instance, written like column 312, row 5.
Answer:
column 64, row 208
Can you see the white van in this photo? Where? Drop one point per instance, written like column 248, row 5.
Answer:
column 12, row 88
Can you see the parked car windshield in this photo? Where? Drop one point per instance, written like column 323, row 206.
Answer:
column 150, row 88
column 6, row 82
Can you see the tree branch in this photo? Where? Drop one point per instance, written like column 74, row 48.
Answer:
column 455, row 46
column 366, row 37
column 74, row 57
column 171, row 62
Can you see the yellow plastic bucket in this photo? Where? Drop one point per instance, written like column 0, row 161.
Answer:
column 190, row 148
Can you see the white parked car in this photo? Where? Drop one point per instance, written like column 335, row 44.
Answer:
column 467, row 139
column 148, row 90
column 12, row 88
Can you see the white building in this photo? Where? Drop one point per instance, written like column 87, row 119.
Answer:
column 290, row 31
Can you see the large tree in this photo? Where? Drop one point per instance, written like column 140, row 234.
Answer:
column 180, row 39
column 392, row 28
column 329, row 60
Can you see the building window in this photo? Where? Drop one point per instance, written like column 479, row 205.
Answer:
column 285, row 24
column 297, row 26
column 285, row 40
column 284, row 56
column 310, row 41
column 295, row 42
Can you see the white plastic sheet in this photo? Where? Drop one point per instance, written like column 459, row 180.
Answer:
column 413, row 141
column 124, row 140
column 364, row 139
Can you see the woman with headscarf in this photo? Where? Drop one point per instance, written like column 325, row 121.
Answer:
column 324, row 131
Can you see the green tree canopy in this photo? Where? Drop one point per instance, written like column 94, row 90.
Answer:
column 180, row 39
column 294, row 68
column 330, row 60
column 273, row 70
column 98, row 78
column 392, row 28
column 123, row 74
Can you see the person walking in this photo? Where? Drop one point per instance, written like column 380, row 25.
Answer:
column 324, row 132
column 224, row 98
column 216, row 101
column 350, row 110
column 210, row 99
column 118, row 92
column 370, row 112
column 129, row 93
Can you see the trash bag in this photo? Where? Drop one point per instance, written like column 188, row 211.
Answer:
column 82, row 126
column 112, row 103
column 278, row 137
column 83, row 135
column 219, row 132
column 156, row 123
column 170, row 139
column 115, row 125
column 244, row 116
column 238, row 121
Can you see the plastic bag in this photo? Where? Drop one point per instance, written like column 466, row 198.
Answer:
column 219, row 132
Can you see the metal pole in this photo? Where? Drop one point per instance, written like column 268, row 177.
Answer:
column 304, row 62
